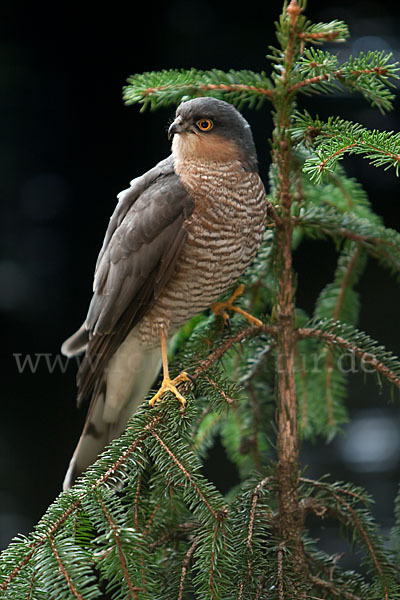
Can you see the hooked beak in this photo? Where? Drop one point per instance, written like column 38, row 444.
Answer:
column 176, row 127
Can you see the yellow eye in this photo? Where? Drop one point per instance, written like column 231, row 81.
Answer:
column 205, row 124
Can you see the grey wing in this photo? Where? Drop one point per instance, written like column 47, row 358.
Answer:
column 142, row 243
column 129, row 196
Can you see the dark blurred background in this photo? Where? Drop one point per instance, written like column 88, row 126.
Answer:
column 68, row 145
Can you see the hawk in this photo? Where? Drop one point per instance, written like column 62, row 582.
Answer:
column 180, row 236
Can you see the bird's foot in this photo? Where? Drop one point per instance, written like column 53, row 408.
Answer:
column 221, row 308
column 169, row 385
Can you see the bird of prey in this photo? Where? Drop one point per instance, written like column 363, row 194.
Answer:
column 180, row 236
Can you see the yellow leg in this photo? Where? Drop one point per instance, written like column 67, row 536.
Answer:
column 168, row 384
column 221, row 308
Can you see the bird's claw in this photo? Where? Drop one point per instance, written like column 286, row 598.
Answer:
column 220, row 308
column 169, row 385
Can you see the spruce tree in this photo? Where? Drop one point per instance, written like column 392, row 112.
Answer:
column 144, row 522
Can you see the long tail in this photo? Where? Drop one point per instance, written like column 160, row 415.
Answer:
column 129, row 376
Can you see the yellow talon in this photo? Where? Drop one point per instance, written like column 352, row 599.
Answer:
column 168, row 384
column 220, row 308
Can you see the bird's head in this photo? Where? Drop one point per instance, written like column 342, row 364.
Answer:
column 212, row 130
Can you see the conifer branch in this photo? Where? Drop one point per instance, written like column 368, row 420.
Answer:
column 59, row 522
column 380, row 242
column 170, row 87
column 337, row 488
column 335, row 590
column 4, row 585
column 227, row 345
column 335, row 31
column 365, row 353
column 136, row 503
column 337, row 137
column 186, row 473
column 254, row 499
column 64, row 571
column 260, row 589
column 151, row 519
column 356, row 522
column 122, row 560
column 368, row 74
column 185, row 565
column 225, row 396
column 291, row 528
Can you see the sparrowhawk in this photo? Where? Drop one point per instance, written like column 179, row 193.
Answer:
column 180, row 236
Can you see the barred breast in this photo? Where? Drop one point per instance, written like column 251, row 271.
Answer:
column 224, row 233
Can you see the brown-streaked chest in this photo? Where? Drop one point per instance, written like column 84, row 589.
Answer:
column 227, row 198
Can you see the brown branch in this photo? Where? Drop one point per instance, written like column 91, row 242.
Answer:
column 287, row 471
column 328, row 585
column 332, row 338
column 186, row 473
column 122, row 559
column 64, row 570
column 351, row 235
column 128, row 451
column 233, row 87
column 323, row 163
column 17, row 569
column 328, row 36
column 391, row 155
column 185, row 564
column 240, row 593
column 328, row 487
column 367, row 541
column 355, row 521
column 151, row 519
column 244, row 334
column 70, row 510
column 136, row 504
column 367, row 241
column 221, row 392
column 31, row 587
column 357, row 237
column 254, row 499
column 339, row 74
column 310, row 81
